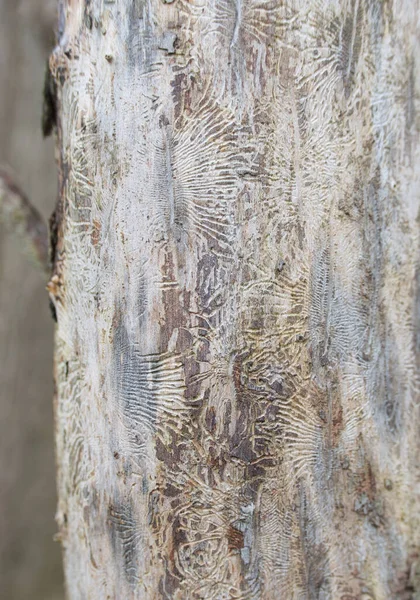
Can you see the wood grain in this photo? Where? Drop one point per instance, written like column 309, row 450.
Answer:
column 236, row 284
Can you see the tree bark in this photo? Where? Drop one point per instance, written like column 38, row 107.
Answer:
column 237, row 285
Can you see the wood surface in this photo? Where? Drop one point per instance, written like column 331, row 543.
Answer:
column 236, row 281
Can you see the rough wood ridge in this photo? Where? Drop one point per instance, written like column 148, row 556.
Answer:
column 237, row 285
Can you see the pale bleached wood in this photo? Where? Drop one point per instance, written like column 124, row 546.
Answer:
column 237, row 290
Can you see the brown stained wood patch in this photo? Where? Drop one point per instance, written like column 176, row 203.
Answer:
column 235, row 538
column 235, row 251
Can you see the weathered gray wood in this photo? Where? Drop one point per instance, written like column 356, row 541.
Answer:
column 237, row 288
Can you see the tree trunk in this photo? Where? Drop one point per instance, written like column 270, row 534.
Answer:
column 237, row 285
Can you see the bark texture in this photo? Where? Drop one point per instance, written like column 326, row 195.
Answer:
column 237, row 287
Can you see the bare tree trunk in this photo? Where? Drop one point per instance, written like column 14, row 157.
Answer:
column 236, row 281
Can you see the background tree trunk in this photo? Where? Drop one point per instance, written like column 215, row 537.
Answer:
column 236, row 281
column 30, row 562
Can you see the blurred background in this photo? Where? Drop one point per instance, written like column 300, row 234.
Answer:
column 30, row 561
